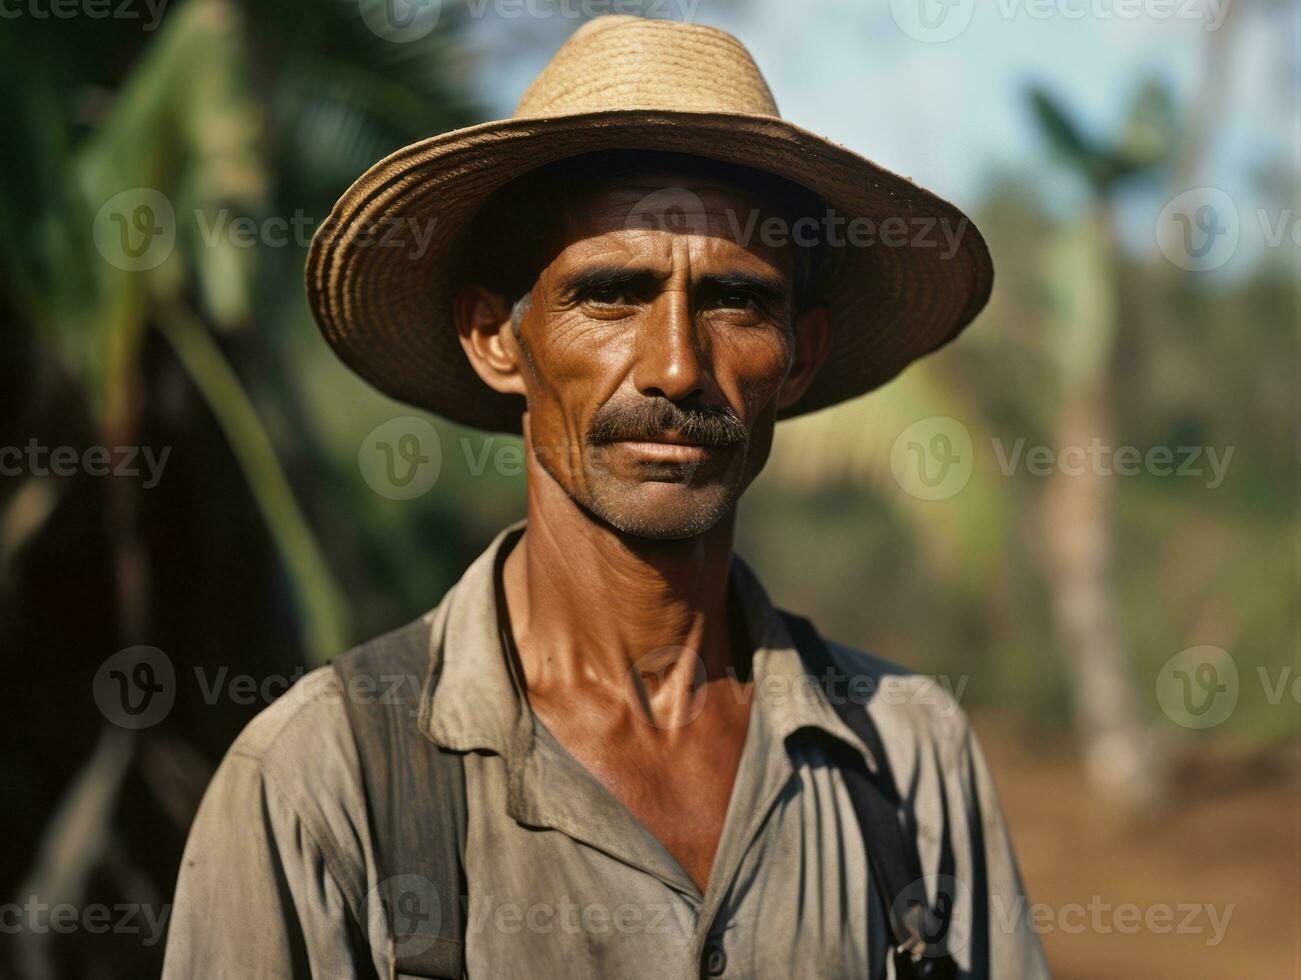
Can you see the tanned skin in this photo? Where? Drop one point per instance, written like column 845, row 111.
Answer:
column 618, row 590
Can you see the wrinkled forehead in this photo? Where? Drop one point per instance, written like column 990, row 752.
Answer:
column 649, row 209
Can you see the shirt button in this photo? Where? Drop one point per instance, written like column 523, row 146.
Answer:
column 715, row 960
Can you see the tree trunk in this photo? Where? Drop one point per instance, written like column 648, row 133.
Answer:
column 1078, row 523
column 1121, row 759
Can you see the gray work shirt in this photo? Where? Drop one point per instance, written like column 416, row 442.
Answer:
column 563, row 881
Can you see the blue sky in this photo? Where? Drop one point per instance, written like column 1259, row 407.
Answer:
column 949, row 113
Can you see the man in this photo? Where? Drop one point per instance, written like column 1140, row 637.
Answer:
column 614, row 757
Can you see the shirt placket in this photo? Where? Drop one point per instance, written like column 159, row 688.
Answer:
column 763, row 774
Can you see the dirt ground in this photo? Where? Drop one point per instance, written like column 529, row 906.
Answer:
column 1233, row 844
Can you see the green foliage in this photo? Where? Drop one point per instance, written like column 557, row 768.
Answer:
column 1146, row 143
column 229, row 113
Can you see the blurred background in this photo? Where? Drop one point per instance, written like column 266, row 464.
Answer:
column 1081, row 517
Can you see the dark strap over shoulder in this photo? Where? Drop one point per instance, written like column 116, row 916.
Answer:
column 415, row 798
column 916, row 931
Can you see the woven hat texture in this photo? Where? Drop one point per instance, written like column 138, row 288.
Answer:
column 628, row 83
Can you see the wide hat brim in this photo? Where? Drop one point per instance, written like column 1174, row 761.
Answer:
column 383, row 270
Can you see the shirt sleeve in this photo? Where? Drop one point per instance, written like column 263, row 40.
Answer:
column 275, row 874
column 255, row 897
column 962, row 838
column 1002, row 912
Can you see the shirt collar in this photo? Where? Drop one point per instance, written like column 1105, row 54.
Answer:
column 473, row 700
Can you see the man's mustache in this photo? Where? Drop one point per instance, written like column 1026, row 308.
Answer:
column 653, row 419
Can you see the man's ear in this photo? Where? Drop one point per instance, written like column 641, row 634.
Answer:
column 812, row 341
column 488, row 338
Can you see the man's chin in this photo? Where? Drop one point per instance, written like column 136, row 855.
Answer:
column 665, row 511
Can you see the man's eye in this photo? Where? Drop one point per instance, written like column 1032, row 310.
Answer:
column 607, row 295
column 734, row 299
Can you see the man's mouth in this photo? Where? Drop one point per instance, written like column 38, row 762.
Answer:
column 666, row 450
column 668, row 447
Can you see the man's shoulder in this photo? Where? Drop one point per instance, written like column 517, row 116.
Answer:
column 306, row 715
column 300, row 750
column 311, row 717
column 904, row 702
column 297, row 757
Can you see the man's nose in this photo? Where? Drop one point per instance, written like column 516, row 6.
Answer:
column 670, row 363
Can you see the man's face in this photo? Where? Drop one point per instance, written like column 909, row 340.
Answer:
column 653, row 350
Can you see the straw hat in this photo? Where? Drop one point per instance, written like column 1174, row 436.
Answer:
column 382, row 271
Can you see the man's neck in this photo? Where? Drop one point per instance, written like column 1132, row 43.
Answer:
column 591, row 607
